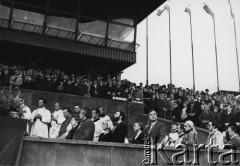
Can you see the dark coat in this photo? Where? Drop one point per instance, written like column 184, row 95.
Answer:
column 92, row 91
column 85, row 131
column 157, row 132
column 235, row 142
column 105, row 137
column 119, row 133
column 139, row 139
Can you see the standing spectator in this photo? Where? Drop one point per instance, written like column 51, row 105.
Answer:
column 94, row 89
column 57, row 120
column 139, row 136
column 205, row 116
column 41, row 117
column 176, row 113
column 137, row 94
column 85, row 130
column 119, row 131
column 217, row 117
column 76, row 112
column 184, row 114
column 155, row 130
column 228, row 119
column 68, row 118
column 98, row 124
column 215, row 137
column 26, row 112
column 194, row 110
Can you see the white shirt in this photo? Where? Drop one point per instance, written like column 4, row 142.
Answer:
column 26, row 115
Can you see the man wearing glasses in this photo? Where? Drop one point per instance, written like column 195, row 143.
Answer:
column 25, row 113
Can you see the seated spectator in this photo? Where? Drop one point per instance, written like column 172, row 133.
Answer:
column 106, row 135
column 71, row 129
column 119, row 131
column 86, row 128
column 139, row 136
column 68, row 118
column 234, row 139
column 190, row 136
column 98, row 124
column 104, row 117
column 171, row 138
column 180, row 131
column 215, row 137
column 155, row 130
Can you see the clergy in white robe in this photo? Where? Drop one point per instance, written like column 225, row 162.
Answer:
column 26, row 112
column 41, row 118
column 57, row 120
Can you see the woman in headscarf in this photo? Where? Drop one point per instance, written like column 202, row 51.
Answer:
column 190, row 136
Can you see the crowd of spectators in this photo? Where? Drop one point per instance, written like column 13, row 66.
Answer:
column 58, row 81
column 93, row 125
column 170, row 102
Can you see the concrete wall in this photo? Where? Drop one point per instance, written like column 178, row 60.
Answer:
column 43, row 152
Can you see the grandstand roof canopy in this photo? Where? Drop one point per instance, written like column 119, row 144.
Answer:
column 138, row 9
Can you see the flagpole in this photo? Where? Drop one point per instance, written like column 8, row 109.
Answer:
column 147, row 51
column 216, row 53
column 235, row 35
column 190, row 15
column 208, row 10
column 170, row 45
column 169, row 33
column 236, row 51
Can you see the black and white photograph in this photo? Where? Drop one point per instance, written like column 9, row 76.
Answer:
column 119, row 83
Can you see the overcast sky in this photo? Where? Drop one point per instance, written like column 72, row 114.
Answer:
column 203, row 45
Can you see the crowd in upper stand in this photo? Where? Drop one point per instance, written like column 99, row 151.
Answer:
column 57, row 81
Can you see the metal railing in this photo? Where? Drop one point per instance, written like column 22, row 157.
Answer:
column 66, row 34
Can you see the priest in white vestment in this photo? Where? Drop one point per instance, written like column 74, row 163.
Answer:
column 26, row 113
column 41, row 117
column 57, row 120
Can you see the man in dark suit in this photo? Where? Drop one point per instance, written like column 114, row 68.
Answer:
column 86, row 128
column 94, row 89
column 194, row 110
column 155, row 130
column 234, row 140
column 119, row 131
